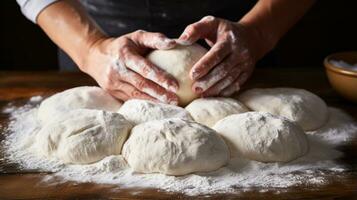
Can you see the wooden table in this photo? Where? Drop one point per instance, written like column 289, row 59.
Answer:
column 16, row 86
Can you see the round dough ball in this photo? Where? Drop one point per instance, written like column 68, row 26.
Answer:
column 83, row 136
column 298, row 105
column 174, row 147
column 138, row 111
column 208, row 111
column 178, row 62
column 263, row 137
column 75, row 98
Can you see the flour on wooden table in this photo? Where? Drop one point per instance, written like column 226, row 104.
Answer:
column 314, row 168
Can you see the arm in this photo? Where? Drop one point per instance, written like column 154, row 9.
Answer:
column 236, row 46
column 273, row 18
column 68, row 25
column 116, row 64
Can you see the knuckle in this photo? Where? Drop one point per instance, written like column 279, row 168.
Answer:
column 159, row 35
column 208, row 18
column 146, row 69
column 139, row 32
column 141, row 84
column 192, row 28
column 136, row 35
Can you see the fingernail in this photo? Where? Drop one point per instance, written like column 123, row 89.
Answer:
column 195, row 75
column 198, row 90
column 183, row 37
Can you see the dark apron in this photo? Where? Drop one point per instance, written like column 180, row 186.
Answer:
column 118, row 17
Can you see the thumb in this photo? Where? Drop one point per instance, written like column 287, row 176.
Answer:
column 153, row 40
column 198, row 30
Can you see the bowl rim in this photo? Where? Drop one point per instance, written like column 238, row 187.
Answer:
column 341, row 70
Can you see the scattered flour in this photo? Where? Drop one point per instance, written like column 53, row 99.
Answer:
column 344, row 64
column 239, row 175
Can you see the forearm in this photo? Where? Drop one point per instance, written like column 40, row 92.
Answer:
column 69, row 26
column 273, row 18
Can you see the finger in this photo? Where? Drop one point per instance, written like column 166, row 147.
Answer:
column 222, row 84
column 210, row 42
column 153, row 40
column 127, row 91
column 198, row 30
column 145, row 85
column 243, row 78
column 216, row 74
column 214, row 56
column 119, row 95
column 235, row 87
column 146, row 69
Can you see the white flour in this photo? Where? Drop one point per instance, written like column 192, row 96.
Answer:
column 343, row 64
column 312, row 169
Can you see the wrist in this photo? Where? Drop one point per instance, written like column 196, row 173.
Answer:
column 266, row 39
column 87, row 50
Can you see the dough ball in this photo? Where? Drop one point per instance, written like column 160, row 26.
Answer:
column 298, row 105
column 263, row 137
column 75, row 98
column 83, row 136
column 174, row 147
column 208, row 111
column 178, row 62
column 139, row 111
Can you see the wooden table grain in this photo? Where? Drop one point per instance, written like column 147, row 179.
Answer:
column 19, row 86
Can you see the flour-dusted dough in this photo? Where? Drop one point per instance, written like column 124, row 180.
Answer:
column 139, row 111
column 208, row 111
column 83, row 136
column 263, row 137
column 75, row 98
column 174, row 147
column 298, row 105
column 178, row 62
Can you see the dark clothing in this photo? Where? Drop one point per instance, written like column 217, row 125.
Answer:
column 118, row 17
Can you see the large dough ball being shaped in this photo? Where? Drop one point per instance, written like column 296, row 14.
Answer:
column 208, row 111
column 76, row 98
column 83, row 136
column 174, row 147
column 301, row 106
column 178, row 62
column 263, row 137
column 139, row 111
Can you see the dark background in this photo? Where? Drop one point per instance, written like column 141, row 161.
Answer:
column 330, row 26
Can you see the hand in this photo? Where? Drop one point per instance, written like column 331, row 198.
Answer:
column 231, row 59
column 118, row 66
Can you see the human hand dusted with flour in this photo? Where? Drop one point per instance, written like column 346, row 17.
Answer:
column 235, row 48
column 118, row 66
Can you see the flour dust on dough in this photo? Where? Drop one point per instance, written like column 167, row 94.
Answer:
column 75, row 98
column 83, row 136
column 178, row 62
column 208, row 111
column 174, row 147
column 139, row 111
column 301, row 106
column 263, row 137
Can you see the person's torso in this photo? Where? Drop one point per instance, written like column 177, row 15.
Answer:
column 117, row 17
